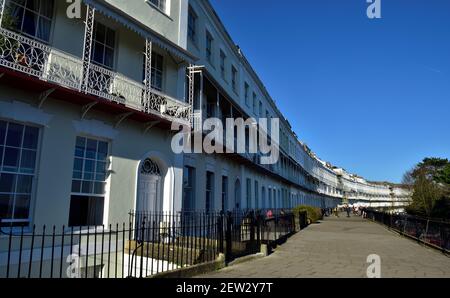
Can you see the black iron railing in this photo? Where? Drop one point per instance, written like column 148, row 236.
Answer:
column 433, row 232
column 149, row 244
column 246, row 230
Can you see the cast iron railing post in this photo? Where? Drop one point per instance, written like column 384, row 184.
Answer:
column 229, row 220
column 258, row 231
column 220, row 232
column 252, row 231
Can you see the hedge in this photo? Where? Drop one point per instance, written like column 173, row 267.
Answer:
column 314, row 214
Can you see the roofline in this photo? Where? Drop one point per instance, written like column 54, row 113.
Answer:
column 238, row 51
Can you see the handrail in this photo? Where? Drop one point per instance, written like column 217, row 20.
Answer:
column 34, row 58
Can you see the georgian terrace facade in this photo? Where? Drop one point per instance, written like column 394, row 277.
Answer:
column 230, row 88
column 86, row 106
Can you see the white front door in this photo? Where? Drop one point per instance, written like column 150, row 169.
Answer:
column 149, row 193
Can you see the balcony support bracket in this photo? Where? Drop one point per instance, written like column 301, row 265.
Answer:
column 43, row 97
column 86, row 108
column 122, row 117
column 150, row 125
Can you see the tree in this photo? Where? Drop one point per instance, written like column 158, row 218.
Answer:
column 432, row 167
column 430, row 183
column 426, row 193
column 443, row 175
column 408, row 179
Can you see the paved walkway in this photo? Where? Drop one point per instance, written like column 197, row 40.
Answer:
column 338, row 247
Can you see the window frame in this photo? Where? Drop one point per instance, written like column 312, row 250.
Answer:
column 269, row 128
column 155, row 70
column 89, row 200
column 25, row 9
column 246, row 93
column 106, row 181
column 223, row 58
column 162, row 8
column 255, row 103
column 192, row 187
column 257, row 195
column 249, row 193
column 209, row 200
column 194, row 28
column 225, row 196
column 35, row 175
column 209, row 47
column 234, row 78
column 105, row 46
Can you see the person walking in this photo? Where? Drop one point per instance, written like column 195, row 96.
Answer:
column 336, row 212
column 348, row 211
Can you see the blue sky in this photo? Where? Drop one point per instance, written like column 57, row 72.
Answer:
column 372, row 96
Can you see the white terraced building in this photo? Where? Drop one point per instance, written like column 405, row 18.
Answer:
column 86, row 107
column 231, row 88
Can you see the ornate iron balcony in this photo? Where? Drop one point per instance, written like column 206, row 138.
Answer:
column 26, row 55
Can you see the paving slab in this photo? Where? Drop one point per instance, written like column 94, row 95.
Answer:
column 339, row 247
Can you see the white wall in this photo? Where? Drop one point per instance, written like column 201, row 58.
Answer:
column 128, row 146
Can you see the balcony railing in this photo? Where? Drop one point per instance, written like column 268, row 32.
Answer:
column 26, row 55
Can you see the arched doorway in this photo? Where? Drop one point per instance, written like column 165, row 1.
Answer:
column 237, row 194
column 150, row 185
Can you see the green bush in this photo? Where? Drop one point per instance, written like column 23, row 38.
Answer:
column 314, row 214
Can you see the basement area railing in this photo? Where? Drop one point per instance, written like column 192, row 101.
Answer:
column 150, row 243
